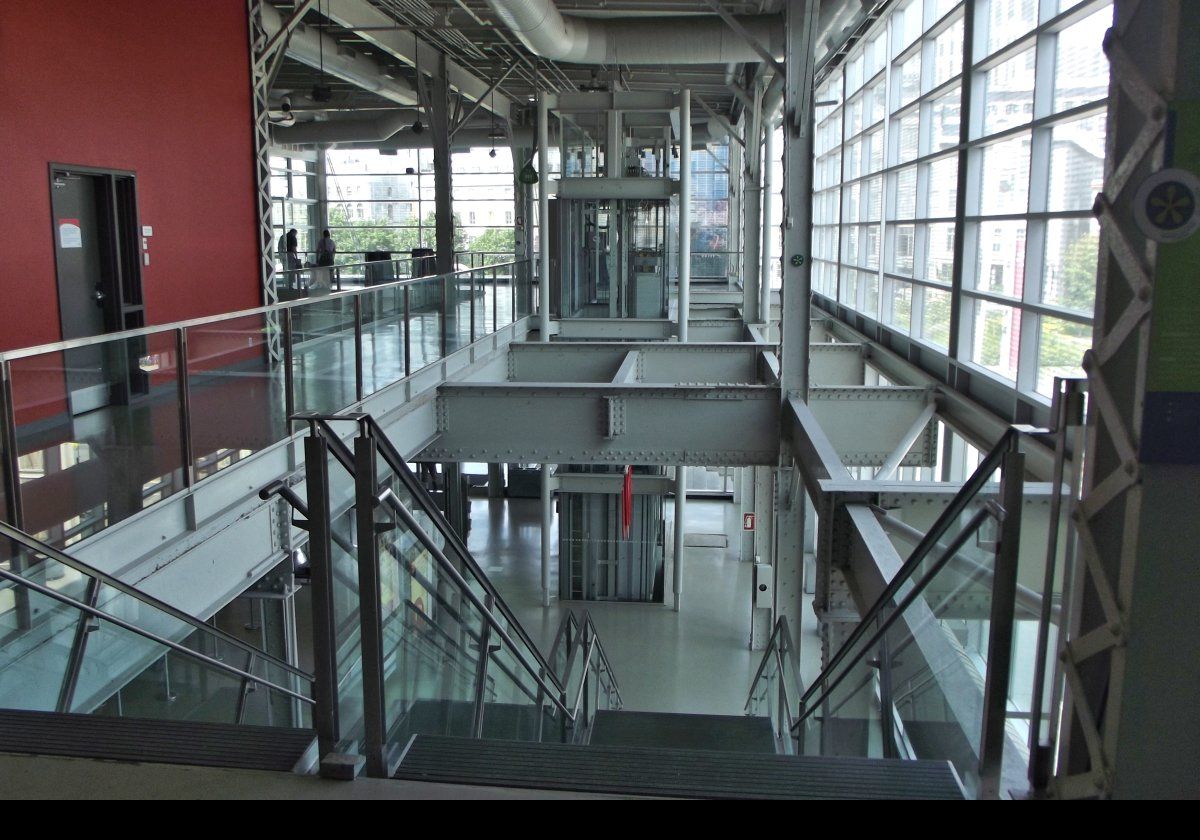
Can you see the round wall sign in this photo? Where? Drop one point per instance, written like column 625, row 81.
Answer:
column 1165, row 205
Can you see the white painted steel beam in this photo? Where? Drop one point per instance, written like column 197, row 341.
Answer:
column 567, row 423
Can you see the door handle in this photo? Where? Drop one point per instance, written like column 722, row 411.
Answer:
column 99, row 295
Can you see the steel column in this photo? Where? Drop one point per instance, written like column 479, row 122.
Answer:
column 685, row 211
column 680, row 529
column 324, row 627
column 370, row 608
column 543, row 133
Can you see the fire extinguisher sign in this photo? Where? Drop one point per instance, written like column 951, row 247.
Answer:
column 747, row 521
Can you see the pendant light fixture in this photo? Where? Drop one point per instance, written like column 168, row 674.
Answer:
column 492, row 133
column 417, row 127
column 321, row 92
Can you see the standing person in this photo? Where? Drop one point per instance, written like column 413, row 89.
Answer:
column 293, row 250
column 326, row 249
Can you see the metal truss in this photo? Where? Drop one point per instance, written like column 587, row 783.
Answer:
column 1094, row 659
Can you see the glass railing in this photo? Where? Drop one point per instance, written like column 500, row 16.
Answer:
column 95, row 430
column 440, row 652
column 776, row 688
column 73, row 639
column 929, row 672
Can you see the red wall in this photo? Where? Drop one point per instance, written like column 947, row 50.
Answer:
column 158, row 87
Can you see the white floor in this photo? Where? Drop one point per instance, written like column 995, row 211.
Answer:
column 695, row 661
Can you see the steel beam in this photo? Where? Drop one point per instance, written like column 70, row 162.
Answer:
column 836, row 364
column 734, row 425
column 700, row 330
column 653, row 362
column 866, row 424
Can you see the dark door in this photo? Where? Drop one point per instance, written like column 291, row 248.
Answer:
column 96, row 254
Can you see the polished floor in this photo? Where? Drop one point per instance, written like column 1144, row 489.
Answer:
column 695, row 661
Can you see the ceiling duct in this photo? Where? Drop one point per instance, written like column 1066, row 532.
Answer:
column 345, row 131
column 546, row 32
column 316, row 49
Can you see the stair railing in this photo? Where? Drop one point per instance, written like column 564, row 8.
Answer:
column 500, row 635
column 776, row 687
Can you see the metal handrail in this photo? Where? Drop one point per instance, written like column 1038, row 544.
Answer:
column 781, row 639
column 397, row 507
column 146, row 634
column 65, row 559
column 953, row 510
column 140, row 332
column 808, row 707
column 399, row 465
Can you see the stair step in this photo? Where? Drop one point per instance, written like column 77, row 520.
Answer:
column 161, row 741
column 640, row 771
column 726, row 733
column 501, row 721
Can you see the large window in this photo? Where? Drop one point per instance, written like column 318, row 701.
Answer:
column 293, row 202
column 913, row 208
column 385, row 202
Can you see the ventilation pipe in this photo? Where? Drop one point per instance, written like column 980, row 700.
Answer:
column 546, row 32
column 310, row 46
column 345, row 131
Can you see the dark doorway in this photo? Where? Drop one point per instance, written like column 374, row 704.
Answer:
column 97, row 255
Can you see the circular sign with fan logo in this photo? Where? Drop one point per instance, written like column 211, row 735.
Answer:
column 1165, row 205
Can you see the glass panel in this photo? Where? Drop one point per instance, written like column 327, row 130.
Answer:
column 1081, row 68
column 902, row 249
column 323, row 355
column 900, row 304
column 939, row 253
column 935, row 317
column 906, row 193
column 908, row 81
column 97, row 434
column 1061, row 345
column 1076, row 163
column 944, row 116
column 1072, row 254
column 948, row 53
column 121, row 672
column 236, row 390
column 996, row 337
column 1008, row 93
column 1005, row 176
column 907, row 134
column 1000, row 258
column 382, row 337
column 425, row 322
column 1008, row 21
column 943, row 187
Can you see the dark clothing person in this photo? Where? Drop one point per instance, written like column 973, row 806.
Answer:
column 292, row 257
column 326, row 249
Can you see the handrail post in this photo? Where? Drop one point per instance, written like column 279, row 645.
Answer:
column 472, row 295
column 289, row 384
column 83, row 627
column 407, row 333
column 185, row 408
column 445, row 278
column 370, row 607
column 495, row 303
column 481, row 669
column 320, row 544
column 358, row 349
column 12, row 468
column 1000, row 635
column 887, row 724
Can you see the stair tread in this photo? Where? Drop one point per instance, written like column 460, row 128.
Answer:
column 728, row 733
column 162, row 741
column 671, row 773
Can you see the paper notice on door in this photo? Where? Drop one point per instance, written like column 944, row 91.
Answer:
column 70, row 235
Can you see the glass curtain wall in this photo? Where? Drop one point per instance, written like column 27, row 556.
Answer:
column 293, row 203
column 895, row 240
column 385, row 202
